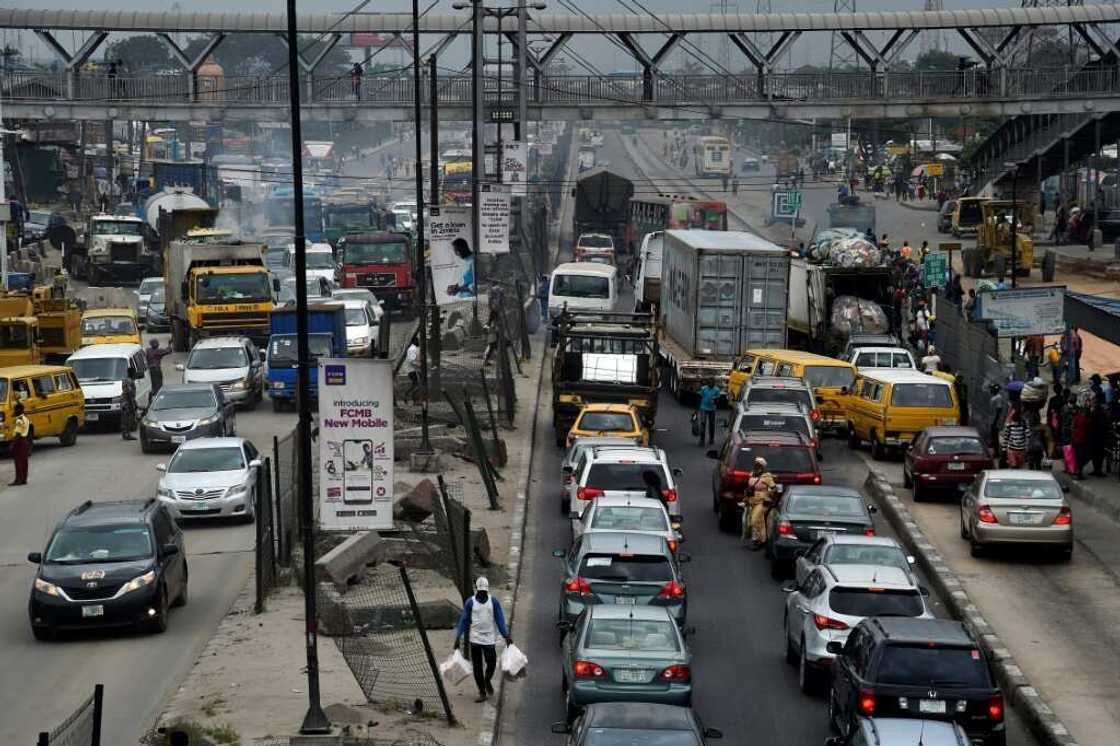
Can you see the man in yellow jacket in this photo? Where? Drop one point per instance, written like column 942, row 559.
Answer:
column 760, row 488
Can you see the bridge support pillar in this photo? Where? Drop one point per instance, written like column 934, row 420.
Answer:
column 73, row 62
column 192, row 65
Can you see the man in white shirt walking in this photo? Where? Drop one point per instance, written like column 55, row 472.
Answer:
column 481, row 623
column 412, row 361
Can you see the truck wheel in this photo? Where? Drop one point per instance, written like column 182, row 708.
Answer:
column 853, row 439
column 878, row 453
column 277, row 405
column 69, row 434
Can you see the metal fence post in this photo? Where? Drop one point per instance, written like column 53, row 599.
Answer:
column 44, row 739
column 522, row 322
column 445, row 502
column 98, row 709
column 468, row 576
column 427, row 646
column 258, row 605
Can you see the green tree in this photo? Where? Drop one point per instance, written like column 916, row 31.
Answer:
column 937, row 59
column 142, row 53
column 266, row 54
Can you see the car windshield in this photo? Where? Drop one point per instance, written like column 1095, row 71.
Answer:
column 621, row 476
column 100, row 544
column 883, row 360
column 875, row 602
column 117, row 228
column 964, row 446
column 826, row 506
column 934, row 666
column 319, row 260
column 778, row 458
column 236, row 288
column 42, row 218
column 636, row 737
column 596, row 242
column 191, row 460
column 581, row 286
column 645, row 568
column 147, row 287
column 857, row 554
column 627, row 518
column 829, row 376
column 274, row 257
column 778, row 422
column 374, row 252
column 314, row 288
column 172, row 399
column 365, row 295
column 620, row 422
column 283, row 353
column 108, row 326
column 632, row 635
column 356, row 317
column 216, row 358
column 14, row 337
column 970, row 213
column 933, row 395
column 1023, row 489
column 158, row 296
column 768, row 395
column 94, row 369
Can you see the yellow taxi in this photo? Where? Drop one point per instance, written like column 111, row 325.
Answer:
column 110, row 326
column 830, row 379
column 888, row 408
column 608, row 420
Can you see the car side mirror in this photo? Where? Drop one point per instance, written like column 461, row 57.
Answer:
column 558, row 553
column 35, row 557
column 714, row 733
column 678, row 471
column 1065, row 488
column 170, row 550
column 574, row 515
column 161, row 467
column 180, row 367
column 923, row 590
column 836, row 648
column 276, row 284
column 262, row 355
column 137, row 375
column 561, row 727
column 683, row 557
column 256, row 463
column 714, row 454
column 911, row 559
column 790, row 586
column 871, row 508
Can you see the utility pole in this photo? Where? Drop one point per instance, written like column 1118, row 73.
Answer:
column 315, row 721
column 421, row 265
column 5, row 215
column 477, row 159
column 434, row 344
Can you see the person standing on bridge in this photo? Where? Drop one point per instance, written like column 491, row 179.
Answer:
column 356, row 80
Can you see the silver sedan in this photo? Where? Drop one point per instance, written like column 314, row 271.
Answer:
column 1015, row 506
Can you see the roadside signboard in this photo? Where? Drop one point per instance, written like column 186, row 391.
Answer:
column 355, row 444
column 515, row 166
column 451, row 256
column 934, row 267
column 935, row 169
column 786, row 204
column 950, row 247
column 493, row 218
column 1023, row 312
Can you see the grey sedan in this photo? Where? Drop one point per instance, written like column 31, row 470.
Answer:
column 1015, row 506
column 182, row 412
column 806, row 513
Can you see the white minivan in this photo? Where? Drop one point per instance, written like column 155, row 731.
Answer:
column 320, row 261
column 582, row 286
column 102, row 370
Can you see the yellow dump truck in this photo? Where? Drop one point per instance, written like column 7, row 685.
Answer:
column 19, row 331
column 994, row 237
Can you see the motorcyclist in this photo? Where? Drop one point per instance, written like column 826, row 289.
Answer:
column 759, row 498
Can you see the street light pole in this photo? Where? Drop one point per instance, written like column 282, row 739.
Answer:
column 477, row 159
column 421, row 264
column 1014, row 230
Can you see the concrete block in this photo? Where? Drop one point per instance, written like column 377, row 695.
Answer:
column 425, row 463
column 417, row 504
column 347, row 560
column 418, row 554
column 441, row 614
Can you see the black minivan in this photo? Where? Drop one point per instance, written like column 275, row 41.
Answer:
column 109, row 564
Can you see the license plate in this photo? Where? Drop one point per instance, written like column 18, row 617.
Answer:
column 931, row 706
column 92, row 416
column 1025, row 519
column 821, row 532
column 91, row 611
column 624, row 600
column 178, row 438
column 630, row 676
column 956, row 467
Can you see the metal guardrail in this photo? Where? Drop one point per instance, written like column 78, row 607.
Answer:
column 970, row 85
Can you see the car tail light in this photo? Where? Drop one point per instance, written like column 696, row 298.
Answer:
column 995, row 708
column 1064, row 517
column 678, row 673
column 816, row 479
column 673, row 545
column 869, row 531
column 823, row 622
column 984, row 514
column 815, row 415
column 866, row 702
column 739, row 477
column 587, row 670
column 671, row 590
column 802, row 477
column 785, row 528
column 669, row 495
column 578, row 585
column 588, row 493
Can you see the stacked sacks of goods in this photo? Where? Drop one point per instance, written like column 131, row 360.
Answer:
column 847, row 251
column 859, row 315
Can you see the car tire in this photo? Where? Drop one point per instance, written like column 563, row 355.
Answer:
column 917, row 493
column 833, row 713
column 791, row 654
column 975, row 548
column 145, row 447
column 853, row 439
column 277, row 405
column 182, row 598
column 907, row 481
column 877, row 450
column 726, row 518
column 43, row 634
column 1065, row 554
column 807, row 678
column 158, row 625
column 69, row 434
column 777, row 568
column 565, row 505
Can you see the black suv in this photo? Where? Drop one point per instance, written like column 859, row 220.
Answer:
column 109, row 564
column 920, row 668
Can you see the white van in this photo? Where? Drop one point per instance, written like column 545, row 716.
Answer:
column 101, row 371
column 320, row 261
column 582, row 286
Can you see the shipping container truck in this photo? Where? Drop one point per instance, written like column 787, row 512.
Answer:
column 216, row 289
column 722, row 292
column 602, row 204
column 812, row 290
column 326, row 325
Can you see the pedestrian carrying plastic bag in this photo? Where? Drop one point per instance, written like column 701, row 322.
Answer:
column 455, row 668
column 513, row 661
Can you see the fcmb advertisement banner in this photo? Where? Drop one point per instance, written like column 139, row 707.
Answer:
column 355, row 444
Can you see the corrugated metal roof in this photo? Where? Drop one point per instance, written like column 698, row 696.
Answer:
column 558, row 23
column 1108, row 305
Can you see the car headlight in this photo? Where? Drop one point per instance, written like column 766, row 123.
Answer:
column 48, row 588
column 239, row 385
column 206, row 421
column 359, row 341
column 237, row 489
column 162, row 491
column 138, row 582
column 277, row 384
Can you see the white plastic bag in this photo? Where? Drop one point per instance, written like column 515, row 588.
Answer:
column 455, row 668
column 513, row 661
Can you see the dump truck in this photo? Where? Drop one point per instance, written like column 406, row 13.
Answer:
column 116, row 249
column 813, row 288
column 722, row 292
column 60, row 322
column 603, row 358
column 217, row 289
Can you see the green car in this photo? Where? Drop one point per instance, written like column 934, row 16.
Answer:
column 625, row 653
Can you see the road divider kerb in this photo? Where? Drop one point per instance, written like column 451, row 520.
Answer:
column 1038, row 715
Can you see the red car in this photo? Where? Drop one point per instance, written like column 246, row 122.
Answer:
column 790, row 459
column 944, row 457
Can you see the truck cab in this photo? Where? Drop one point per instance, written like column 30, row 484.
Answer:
column 382, row 262
column 326, row 338
column 117, row 249
column 19, row 341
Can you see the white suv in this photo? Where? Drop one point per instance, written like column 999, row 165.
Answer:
column 617, row 471
column 831, row 601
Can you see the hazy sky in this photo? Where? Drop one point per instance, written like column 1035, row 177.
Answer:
column 810, row 49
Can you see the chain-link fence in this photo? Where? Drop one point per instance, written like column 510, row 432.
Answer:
column 82, row 727
column 409, row 739
column 266, row 544
column 379, row 631
column 285, row 492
